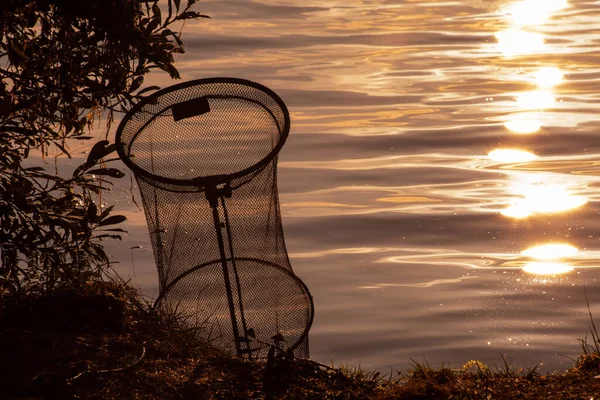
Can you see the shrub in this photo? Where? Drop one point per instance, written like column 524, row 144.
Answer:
column 66, row 65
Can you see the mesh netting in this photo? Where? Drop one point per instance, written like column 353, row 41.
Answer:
column 204, row 154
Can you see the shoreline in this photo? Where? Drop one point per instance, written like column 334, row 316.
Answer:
column 106, row 342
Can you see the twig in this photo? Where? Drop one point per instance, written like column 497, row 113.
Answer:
column 111, row 369
column 565, row 356
column 127, row 366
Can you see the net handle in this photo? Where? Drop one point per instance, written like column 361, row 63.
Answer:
column 202, row 181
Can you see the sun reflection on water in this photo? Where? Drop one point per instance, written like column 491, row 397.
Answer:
column 523, row 126
column 515, row 42
column 547, row 77
column 534, row 12
column 547, row 268
column 538, row 197
column 551, row 251
column 519, row 40
column 550, row 254
column 511, row 155
column 536, row 100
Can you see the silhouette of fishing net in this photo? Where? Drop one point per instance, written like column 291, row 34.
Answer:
column 204, row 154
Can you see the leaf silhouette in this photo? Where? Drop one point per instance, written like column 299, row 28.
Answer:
column 112, row 172
column 115, row 219
column 97, row 151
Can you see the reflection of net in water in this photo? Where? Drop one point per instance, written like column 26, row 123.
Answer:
column 204, row 154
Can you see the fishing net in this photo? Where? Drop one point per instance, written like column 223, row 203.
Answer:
column 204, row 154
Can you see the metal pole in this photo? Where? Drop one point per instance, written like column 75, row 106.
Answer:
column 237, row 277
column 214, row 204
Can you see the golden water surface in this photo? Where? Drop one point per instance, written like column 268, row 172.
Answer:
column 440, row 185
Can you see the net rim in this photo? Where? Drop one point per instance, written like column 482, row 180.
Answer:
column 300, row 282
column 212, row 180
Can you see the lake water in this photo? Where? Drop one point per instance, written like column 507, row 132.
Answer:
column 435, row 145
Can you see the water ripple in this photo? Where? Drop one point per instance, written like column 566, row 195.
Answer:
column 403, row 210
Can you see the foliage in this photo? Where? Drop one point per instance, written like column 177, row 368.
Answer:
column 64, row 65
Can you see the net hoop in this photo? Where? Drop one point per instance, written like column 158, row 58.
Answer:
column 301, row 285
column 210, row 180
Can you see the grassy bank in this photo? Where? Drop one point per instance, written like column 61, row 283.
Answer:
column 105, row 342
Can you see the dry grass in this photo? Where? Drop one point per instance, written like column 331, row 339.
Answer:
column 107, row 343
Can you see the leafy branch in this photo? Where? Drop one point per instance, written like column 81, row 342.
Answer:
column 63, row 69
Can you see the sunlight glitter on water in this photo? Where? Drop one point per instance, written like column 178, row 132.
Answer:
column 511, row 155
column 534, row 12
column 522, row 126
column 547, row 268
column 551, row 251
column 547, row 77
column 536, row 100
column 515, row 42
column 541, row 195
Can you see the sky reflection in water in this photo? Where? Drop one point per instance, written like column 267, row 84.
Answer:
column 434, row 147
